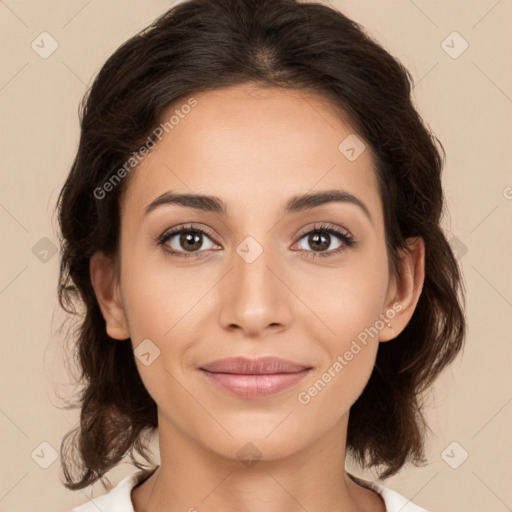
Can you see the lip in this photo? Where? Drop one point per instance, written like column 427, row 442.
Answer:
column 254, row 378
column 259, row 366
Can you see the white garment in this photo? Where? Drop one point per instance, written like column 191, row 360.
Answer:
column 118, row 499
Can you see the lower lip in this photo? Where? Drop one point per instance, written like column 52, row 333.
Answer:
column 255, row 386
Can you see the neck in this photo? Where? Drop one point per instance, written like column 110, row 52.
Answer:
column 312, row 479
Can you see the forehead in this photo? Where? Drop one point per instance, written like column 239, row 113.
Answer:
column 254, row 147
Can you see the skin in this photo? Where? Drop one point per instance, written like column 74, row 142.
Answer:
column 253, row 148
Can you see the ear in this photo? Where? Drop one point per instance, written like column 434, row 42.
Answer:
column 405, row 291
column 104, row 280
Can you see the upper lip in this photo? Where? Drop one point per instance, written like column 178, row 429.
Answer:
column 260, row 366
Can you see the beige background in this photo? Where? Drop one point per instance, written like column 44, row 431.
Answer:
column 467, row 102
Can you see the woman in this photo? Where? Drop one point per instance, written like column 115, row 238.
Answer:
column 252, row 223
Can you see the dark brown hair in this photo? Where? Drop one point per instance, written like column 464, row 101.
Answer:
column 201, row 45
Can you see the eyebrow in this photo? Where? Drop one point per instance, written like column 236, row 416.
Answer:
column 295, row 204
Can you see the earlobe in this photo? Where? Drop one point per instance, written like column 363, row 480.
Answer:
column 406, row 289
column 106, row 287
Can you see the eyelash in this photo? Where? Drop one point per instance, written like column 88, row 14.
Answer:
column 346, row 238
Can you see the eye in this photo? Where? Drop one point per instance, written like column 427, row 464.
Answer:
column 189, row 241
column 186, row 241
column 320, row 238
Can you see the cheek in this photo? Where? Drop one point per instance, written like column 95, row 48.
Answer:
column 348, row 300
column 160, row 301
column 348, row 306
column 161, row 308
column 336, row 387
column 171, row 307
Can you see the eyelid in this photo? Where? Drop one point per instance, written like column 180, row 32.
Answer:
column 325, row 227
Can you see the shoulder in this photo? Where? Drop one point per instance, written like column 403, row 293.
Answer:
column 394, row 501
column 118, row 498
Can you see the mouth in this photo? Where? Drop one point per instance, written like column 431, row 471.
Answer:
column 254, row 378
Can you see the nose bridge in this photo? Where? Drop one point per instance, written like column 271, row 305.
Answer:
column 252, row 273
column 254, row 253
column 253, row 298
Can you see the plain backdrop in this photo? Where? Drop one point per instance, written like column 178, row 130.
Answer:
column 465, row 96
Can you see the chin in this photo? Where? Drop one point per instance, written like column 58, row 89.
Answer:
column 255, row 443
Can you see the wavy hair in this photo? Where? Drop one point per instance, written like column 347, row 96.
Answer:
column 202, row 45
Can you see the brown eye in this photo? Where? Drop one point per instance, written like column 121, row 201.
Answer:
column 320, row 239
column 190, row 240
column 185, row 241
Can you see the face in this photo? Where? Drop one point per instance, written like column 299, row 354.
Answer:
column 253, row 278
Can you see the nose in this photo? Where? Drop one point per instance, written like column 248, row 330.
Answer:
column 254, row 296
